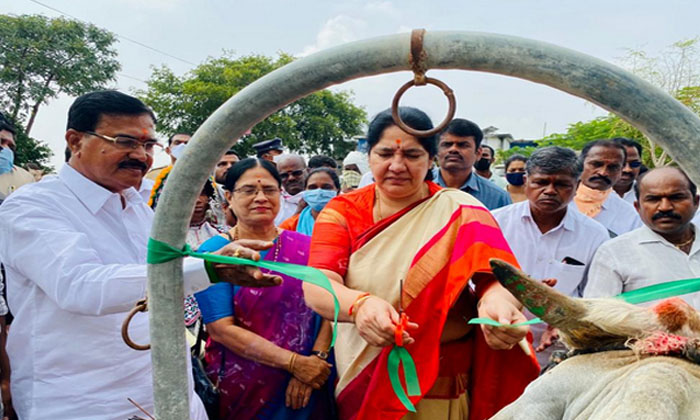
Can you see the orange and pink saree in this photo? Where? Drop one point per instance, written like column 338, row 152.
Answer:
column 435, row 246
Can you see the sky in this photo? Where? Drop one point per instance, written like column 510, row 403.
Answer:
column 191, row 31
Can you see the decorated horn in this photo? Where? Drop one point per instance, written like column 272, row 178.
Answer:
column 543, row 301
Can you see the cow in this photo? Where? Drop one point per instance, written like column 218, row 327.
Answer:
column 624, row 362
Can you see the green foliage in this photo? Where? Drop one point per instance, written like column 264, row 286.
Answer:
column 318, row 123
column 30, row 150
column 503, row 155
column 677, row 71
column 43, row 57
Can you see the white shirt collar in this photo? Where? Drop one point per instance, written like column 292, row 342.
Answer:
column 648, row 236
column 567, row 222
column 92, row 195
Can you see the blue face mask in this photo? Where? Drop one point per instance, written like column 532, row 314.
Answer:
column 7, row 159
column 318, row 198
column 515, row 178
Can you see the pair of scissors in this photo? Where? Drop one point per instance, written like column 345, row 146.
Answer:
column 403, row 319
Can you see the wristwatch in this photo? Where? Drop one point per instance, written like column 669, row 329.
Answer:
column 323, row 355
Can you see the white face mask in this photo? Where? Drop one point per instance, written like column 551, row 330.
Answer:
column 178, row 150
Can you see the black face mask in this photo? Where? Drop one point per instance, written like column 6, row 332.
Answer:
column 482, row 164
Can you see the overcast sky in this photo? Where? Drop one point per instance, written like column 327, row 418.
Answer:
column 195, row 30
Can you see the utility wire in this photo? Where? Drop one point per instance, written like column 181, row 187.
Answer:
column 132, row 77
column 118, row 35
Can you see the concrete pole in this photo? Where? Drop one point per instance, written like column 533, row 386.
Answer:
column 655, row 113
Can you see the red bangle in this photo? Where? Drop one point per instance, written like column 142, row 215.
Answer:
column 352, row 307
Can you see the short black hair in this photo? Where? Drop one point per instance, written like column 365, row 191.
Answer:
column 67, row 153
column 412, row 117
column 232, row 152
column 554, row 159
column 629, row 143
column 240, row 167
column 515, row 158
column 493, row 152
column 464, row 128
column 691, row 186
column 329, row 171
column 320, row 161
column 170, row 139
column 85, row 112
column 7, row 126
column 602, row 143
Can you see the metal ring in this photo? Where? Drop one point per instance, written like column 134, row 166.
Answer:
column 141, row 306
column 424, row 133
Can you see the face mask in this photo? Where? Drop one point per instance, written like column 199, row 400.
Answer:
column 7, row 159
column 318, row 198
column 178, row 150
column 516, row 178
column 482, row 164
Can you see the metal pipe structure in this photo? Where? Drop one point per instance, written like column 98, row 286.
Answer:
column 666, row 121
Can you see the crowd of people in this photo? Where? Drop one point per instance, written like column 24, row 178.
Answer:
column 404, row 232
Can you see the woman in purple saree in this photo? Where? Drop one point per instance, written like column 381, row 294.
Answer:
column 267, row 350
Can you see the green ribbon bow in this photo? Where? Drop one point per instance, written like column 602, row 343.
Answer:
column 397, row 357
column 160, row 252
column 645, row 294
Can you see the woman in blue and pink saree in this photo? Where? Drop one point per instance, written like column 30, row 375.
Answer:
column 404, row 245
column 267, row 350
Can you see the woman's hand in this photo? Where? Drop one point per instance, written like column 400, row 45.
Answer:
column 501, row 308
column 311, row 370
column 376, row 321
column 298, row 394
column 245, row 275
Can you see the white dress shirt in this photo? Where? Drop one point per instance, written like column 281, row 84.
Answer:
column 75, row 261
column 638, row 259
column 542, row 255
column 145, row 188
column 629, row 196
column 288, row 206
column 617, row 215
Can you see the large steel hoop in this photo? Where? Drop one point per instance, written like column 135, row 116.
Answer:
column 666, row 121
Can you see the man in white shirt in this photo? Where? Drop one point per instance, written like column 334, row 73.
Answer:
column 292, row 170
column 624, row 187
column 663, row 249
column 603, row 161
column 74, row 249
column 550, row 240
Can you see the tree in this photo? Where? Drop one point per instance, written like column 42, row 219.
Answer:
column 319, row 123
column 676, row 70
column 43, row 57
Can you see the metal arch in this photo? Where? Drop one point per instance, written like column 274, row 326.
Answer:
column 666, row 121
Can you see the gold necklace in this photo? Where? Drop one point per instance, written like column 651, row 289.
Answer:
column 277, row 244
column 688, row 242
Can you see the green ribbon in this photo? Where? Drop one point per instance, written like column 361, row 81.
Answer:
column 494, row 323
column 661, row 291
column 397, row 357
column 160, row 252
column 643, row 295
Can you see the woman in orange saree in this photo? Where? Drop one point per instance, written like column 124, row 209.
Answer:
column 406, row 243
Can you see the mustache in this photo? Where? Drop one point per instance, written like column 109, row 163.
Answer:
column 601, row 178
column 133, row 164
column 669, row 213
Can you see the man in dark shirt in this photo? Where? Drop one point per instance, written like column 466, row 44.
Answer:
column 458, row 148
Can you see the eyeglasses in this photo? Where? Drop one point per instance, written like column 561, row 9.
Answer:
column 634, row 164
column 297, row 174
column 129, row 143
column 250, row 191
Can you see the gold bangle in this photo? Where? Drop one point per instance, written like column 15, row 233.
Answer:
column 290, row 365
column 357, row 305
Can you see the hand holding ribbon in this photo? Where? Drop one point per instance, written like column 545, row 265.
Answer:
column 160, row 252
